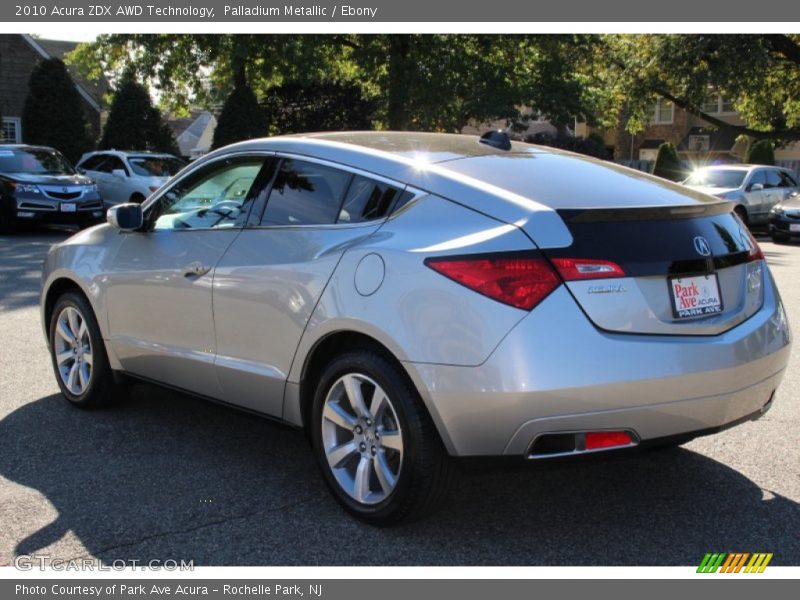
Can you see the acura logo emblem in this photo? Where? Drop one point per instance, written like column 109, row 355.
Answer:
column 702, row 246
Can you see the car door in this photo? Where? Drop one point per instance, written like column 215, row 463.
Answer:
column 159, row 289
column 96, row 168
column 756, row 194
column 270, row 279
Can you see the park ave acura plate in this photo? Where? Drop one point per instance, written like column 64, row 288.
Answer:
column 695, row 296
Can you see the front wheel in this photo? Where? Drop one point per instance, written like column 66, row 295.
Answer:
column 376, row 445
column 79, row 356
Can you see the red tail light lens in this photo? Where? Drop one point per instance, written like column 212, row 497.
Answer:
column 519, row 281
column 595, row 440
column 577, row 269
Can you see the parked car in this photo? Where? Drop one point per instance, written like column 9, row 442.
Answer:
column 39, row 185
column 129, row 176
column 784, row 219
column 754, row 189
column 411, row 298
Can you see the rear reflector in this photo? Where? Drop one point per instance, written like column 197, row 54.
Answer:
column 576, row 269
column 519, row 280
column 596, row 440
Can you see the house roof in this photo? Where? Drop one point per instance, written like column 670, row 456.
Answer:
column 92, row 90
column 719, row 140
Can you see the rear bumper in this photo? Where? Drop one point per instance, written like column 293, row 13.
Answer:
column 556, row 372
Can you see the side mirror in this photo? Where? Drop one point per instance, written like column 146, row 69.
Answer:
column 127, row 217
column 755, row 187
column 119, row 173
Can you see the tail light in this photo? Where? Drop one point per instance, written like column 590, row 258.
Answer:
column 597, row 440
column 519, row 280
column 755, row 252
column 577, row 269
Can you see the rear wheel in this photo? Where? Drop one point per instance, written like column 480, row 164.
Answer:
column 137, row 198
column 375, row 443
column 79, row 356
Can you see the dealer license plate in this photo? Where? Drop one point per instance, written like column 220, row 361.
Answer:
column 794, row 226
column 68, row 207
column 695, row 296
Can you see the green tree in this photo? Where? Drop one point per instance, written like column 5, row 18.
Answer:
column 759, row 74
column 134, row 123
column 241, row 118
column 294, row 108
column 431, row 82
column 761, row 152
column 668, row 165
column 53, row 113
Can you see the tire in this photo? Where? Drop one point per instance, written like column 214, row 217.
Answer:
column 780, row 239
column 401, row 481
column 741, row 211
column 91, row 383
column 137, row 198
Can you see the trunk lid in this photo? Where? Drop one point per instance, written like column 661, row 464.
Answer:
column 692, row 270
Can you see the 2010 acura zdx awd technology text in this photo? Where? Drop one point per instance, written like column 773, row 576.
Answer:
column 409, row 298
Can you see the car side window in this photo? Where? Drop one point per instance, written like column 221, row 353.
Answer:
column 91, row 163
column 114, row 163
column 367, row 200
column 213, row 197
column 773, row 179
column 787, row 180
column 758, row 177
column 305, row 193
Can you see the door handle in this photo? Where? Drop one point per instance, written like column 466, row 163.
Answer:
column 195, row 269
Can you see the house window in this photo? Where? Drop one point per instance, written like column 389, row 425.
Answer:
column 664, row 111
column 717, row 104
column 12, row 130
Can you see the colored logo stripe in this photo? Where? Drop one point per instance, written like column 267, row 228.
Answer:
column 734, row 562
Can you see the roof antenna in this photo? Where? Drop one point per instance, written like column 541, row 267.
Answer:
column 496, row 138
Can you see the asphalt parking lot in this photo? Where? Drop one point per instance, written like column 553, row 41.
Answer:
column 166, row 476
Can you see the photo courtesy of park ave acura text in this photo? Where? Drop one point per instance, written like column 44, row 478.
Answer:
column 413, row 299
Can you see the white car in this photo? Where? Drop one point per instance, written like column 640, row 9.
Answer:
column 128, row 176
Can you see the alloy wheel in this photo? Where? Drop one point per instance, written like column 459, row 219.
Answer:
column 73, row 350
column 362, row 438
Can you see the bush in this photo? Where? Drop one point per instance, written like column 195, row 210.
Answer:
column 594, row 145
column 761, row 152
column 53, row 112
column 241, row 118
column 134, row 123
column 668, row 165
column 294, row 108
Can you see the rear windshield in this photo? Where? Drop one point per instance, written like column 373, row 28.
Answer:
column 717, row 178
column 155, row 166
column 649, row 242
column 34, row 160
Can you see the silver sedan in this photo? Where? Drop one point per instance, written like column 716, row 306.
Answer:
column 408, row 299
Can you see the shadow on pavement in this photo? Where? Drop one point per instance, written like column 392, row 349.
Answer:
column 21, row 257
column 165, row 476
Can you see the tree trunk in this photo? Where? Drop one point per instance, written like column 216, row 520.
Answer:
column 399, row 83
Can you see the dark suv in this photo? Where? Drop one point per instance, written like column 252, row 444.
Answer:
column 37, row 184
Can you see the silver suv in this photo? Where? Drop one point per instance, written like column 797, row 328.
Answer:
column 410, row 298
column 128, row 176
column 754, row 189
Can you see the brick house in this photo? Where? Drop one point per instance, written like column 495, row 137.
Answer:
column 19, row 54
column 694, row 138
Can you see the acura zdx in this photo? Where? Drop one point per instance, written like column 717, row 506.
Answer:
column 412, row 298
